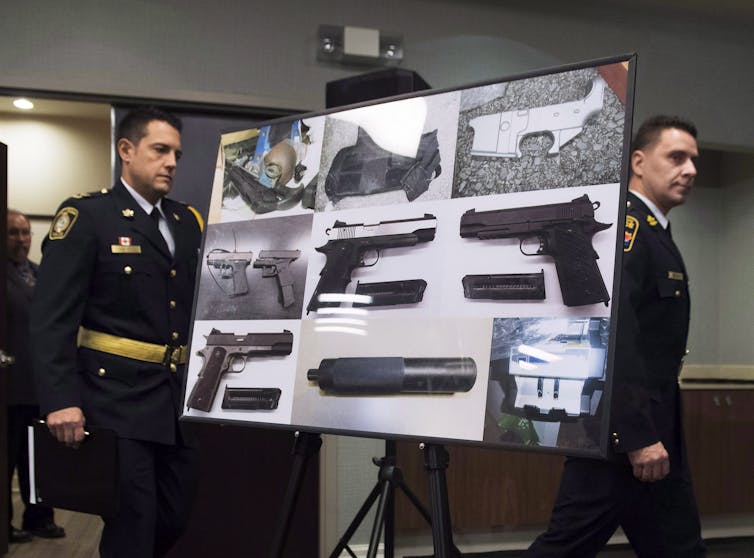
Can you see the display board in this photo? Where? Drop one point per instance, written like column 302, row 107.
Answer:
column 439, row 266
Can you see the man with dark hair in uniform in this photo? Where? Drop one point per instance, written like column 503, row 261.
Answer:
column 38, row 519
column 644, row 486
column 117, row 274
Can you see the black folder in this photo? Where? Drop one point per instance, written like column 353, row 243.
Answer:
column 83, row 479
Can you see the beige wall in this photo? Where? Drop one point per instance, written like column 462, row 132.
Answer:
column 50, row 159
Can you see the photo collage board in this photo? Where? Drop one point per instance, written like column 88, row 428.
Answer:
column 437, row 266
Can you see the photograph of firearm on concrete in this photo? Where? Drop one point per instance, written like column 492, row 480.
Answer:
column 254, row 269
column 349, row 246
column 404, row 376
column 547, row 378
column 534, row 253
column 390, row 153
column 269, row 169
column 242, row 371
column 554, row 131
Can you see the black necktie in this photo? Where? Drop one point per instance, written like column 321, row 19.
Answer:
column 155, row 215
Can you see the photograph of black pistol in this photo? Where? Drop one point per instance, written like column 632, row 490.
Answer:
column 565, row 232
column 276, row 263
column 227, row 352
column 346, row 251
column 394, row 375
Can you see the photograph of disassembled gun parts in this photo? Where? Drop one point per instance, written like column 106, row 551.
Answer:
column 346, row 252
column 251, row 399
column 500, row 134
column 393, row 376
column 564, row 231
column 276, row 263
column 227, row 352
column 557, row 377
column 228, row 270
column 366, row 168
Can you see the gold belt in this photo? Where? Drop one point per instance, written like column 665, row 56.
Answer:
column 131, row 348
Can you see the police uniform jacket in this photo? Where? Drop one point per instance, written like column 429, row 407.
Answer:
column 653, row 323
column 107, row 268
column 19, row 295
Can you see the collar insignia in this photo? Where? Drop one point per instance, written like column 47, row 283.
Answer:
column 128, row 213
column 176, row 217
column 651, row 220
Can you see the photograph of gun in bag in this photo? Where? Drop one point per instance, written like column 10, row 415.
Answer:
column 227, row 353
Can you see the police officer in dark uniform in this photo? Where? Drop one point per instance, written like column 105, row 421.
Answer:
column 644, row 486
column 110, row 323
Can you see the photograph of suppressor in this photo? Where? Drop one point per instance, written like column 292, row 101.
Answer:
column 394, row 375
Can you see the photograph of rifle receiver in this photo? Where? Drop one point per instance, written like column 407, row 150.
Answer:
column 227, row 352
column 346, row 252
column 394, row 375
column 565, row 232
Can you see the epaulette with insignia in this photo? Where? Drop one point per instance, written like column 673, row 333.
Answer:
column 95, row 194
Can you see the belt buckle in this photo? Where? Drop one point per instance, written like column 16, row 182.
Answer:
column 172, row 355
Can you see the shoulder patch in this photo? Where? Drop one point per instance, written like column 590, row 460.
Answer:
column 63, row 223
column 198, row 216
column 632, row 227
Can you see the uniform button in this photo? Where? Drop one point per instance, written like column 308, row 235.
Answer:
column 101, row 371
column 678, row 293
column 174, row 336
column 173, row 273
column 104, row 191
column 172, row 304
column 127, row 270
column 173, row 368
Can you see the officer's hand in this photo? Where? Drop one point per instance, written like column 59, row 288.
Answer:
column 67, row 425
column 650, row 463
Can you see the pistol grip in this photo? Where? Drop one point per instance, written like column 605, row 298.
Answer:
column 579, row 276
column 204, row 390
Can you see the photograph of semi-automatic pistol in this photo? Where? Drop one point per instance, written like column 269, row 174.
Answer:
column 227, row 352
column 228, row 270
column 346, row 252
column 393, row 375
column 564, row 231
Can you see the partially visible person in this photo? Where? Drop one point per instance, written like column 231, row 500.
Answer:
column 645, row 486
column 118, row 274
column 37, row 520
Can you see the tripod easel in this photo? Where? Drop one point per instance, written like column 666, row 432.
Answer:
column 389, row 477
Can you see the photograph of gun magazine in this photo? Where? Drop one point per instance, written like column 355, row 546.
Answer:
column 251, row 399
column 276, row 263
column 228, row 270
column 393, row 376
column 564, row 231
column 346, row 252
column 227, row 352
column 505, row 286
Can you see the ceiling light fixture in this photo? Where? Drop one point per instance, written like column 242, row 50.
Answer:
column 23, row 104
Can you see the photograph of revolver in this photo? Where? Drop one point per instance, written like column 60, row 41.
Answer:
column 227, row 352
column 346, row 251
column 565, row 232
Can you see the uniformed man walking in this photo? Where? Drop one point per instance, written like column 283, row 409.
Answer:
column 118, row 274
column 645, row 487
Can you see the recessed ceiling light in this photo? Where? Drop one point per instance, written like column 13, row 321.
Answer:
column 24, row 104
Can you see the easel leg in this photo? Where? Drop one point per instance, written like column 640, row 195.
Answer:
column 306, row 445
column 436, row 460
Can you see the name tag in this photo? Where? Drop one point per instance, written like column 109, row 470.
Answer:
column 118, row 249
column 675, row 275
